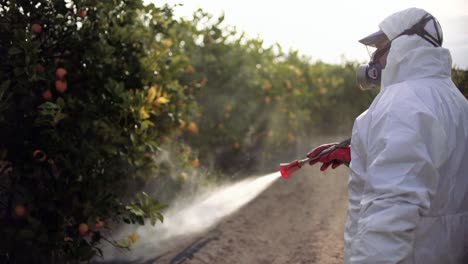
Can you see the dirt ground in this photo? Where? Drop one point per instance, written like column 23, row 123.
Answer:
column 298, row 220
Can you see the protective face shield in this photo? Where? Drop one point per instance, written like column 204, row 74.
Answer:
column 369, row 76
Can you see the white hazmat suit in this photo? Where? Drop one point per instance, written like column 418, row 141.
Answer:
column 408, row 186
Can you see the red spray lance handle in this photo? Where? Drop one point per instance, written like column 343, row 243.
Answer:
column 287, row 169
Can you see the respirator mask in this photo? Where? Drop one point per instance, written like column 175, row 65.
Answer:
column 369, row 75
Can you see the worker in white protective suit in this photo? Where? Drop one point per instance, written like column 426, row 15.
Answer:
column 408, row 186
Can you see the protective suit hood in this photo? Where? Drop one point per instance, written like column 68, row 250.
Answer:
column 412, row 57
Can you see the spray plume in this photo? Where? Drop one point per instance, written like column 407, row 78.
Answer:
column 182, row 220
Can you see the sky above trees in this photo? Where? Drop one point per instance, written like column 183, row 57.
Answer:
column 329, row 30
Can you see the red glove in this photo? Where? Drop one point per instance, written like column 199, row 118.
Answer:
column 334, row 158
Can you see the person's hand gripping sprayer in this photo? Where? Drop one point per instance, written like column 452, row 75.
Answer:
column 333, row 154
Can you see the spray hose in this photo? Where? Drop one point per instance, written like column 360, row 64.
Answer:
column 287, row 169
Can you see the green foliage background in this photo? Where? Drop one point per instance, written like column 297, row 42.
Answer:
column 142, row 84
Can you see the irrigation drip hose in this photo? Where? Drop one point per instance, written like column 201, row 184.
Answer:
column 193, row 248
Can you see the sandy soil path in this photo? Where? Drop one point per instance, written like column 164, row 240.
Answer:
column 299, row 220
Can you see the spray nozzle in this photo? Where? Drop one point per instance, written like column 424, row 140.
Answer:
column 286, row 169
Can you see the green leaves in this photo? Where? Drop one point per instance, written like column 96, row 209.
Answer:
column 49, row 115
column 14, row 51
column 144, row 207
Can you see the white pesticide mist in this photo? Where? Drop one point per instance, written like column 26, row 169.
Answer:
column 183, row 219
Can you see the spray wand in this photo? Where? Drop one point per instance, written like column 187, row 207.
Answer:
column 287, row 169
